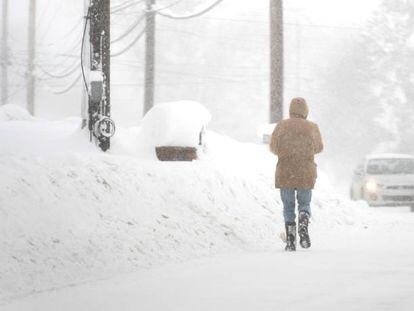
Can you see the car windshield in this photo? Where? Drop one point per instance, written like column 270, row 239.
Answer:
column 390, row 166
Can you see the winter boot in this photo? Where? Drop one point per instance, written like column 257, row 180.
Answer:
column 290, row 236
column 303, row 230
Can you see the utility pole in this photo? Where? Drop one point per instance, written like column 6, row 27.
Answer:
column 276, row 61
column 99, row 104
column 298, row 59
column 149, row 56
column 4, row 57
column 31, row 81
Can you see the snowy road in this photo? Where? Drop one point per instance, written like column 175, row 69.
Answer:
column 359, row 270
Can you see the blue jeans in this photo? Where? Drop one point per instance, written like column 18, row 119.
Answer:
column 304, row 198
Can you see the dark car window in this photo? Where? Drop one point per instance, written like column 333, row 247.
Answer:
column 390, row 166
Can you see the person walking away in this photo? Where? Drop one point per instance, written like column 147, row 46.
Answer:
column 295, row 141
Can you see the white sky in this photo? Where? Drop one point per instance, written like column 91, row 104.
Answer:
column 57, row 17
column 335, row 12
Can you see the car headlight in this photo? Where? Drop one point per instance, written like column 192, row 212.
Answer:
column 371, row 186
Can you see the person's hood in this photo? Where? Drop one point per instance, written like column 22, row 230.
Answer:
column 298, row 108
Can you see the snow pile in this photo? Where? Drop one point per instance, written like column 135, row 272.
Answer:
column 75, row 214
column 84, row 217
column 11, row 112
column 43, row 138
column 167, row 124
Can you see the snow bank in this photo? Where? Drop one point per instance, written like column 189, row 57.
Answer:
column 79, row 215
column 41, row 138
column 11, row 112
column 85, row 217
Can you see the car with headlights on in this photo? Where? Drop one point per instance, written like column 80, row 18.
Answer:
column 384, row 180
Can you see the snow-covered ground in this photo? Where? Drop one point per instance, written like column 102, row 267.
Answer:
column 363, row 270
column 179, row 236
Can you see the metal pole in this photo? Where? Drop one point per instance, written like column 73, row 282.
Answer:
column 31, row 80
column 4, row 54
column 276, row 61
column 149, row 57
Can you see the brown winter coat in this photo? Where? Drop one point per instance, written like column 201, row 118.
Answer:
column 295, row 141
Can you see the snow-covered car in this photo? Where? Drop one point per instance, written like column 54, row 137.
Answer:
column 384, row 180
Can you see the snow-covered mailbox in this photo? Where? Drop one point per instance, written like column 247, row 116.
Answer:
column 176, row 129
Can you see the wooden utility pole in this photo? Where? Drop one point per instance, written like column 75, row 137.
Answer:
column 298, row 60
column 276, row 61
column 31, row 80
column 4, row 57
column 99, row 103
column 149, row 56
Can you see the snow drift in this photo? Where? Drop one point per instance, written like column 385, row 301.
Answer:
column 13, row 112
column 78, row 215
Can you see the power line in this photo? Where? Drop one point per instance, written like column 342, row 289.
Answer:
column 192, row 15
column 325, row 26
column 220, row 40
column 118, row 5
column 237, row 20
column 125, row 6
column 64, row 36
column 24, row 52
column 87, row 20
column 62, row 75
column 170, row 5
column 64, row 62
column 50, row 22
column 213, row 77
column 149, row 74
column 209, row 82
column 130, row 29
column 43, row 14
column 128, row 47
column 70, row 87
